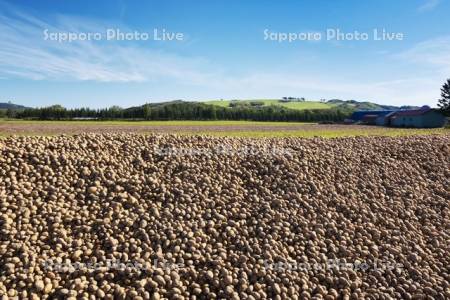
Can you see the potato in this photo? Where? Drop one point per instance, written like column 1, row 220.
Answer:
column 128, row 216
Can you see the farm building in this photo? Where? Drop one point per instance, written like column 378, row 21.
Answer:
column 358, row 116
column 424, row 117
column 385, row 119
column 370, row 119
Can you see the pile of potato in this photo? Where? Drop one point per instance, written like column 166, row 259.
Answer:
column 128, row 216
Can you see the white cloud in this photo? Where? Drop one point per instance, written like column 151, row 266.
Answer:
column 25, row 53
column 434, row 53
column 429, row 5
column 430, row 64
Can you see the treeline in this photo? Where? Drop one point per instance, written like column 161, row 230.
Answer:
column 9, row 113
column 180, row 110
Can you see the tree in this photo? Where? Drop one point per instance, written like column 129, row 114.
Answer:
column 444, row 102
column 11, row 113
column 115, row 112
column 147, row 112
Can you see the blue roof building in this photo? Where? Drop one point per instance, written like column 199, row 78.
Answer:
column 424, row 117
column 359, row 115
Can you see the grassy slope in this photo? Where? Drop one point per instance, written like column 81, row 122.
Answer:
column 267, row 102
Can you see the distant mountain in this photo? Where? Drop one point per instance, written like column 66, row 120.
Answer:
column 301, row 104
column 365, row 105
column 11, row 106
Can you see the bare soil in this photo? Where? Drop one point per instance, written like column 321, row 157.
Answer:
column 64, row 128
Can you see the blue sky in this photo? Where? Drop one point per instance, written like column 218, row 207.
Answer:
column 223, row 53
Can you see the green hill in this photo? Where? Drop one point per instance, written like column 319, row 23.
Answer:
column 365, row 105
column 348, row 105
column 293, row 104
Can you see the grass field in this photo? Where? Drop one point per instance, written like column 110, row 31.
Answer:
column 213, row 128
column 331, row 133
column 268, row 102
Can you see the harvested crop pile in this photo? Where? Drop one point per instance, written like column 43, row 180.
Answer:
column 147, row 217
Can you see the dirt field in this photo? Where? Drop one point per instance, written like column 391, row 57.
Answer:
column 250, row 129
column 65, row 128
